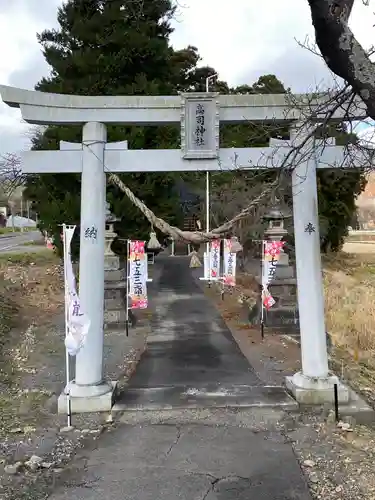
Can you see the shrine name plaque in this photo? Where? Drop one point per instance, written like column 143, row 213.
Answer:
column 200, row 126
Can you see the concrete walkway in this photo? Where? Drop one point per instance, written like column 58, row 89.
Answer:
column 184, row 442
column 187, row 462
column 192, row 359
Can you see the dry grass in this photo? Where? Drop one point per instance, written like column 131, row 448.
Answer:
column 34, row 282
column 31, row 293
column 349, row 283
column 350, row 300
column 350, row 315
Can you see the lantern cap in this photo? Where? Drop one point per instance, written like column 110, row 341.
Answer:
column 236, row 245
column 109, row 217
column 276, row 212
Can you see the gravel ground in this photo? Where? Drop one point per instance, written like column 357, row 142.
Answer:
column 34, row 441
column 36, row 431
column 338, row 460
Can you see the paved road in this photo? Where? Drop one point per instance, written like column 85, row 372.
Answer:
column 187, row 462
column 358, row 247
column 13, row 243
column 173, row 447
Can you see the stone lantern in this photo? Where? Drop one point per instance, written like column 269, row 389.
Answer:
column 115, row 279
column 283, row 315
column 110, row 234
column 275, row 231
column 275, row 218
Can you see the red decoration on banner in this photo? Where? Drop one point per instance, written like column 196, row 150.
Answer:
column 268, row 301
column 273, row 248
column 137, row 247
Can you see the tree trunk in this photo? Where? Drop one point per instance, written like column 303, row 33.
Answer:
column 341, row 51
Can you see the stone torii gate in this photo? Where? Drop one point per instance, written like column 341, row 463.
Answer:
column 200, row 115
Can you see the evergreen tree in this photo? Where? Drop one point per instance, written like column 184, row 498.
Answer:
column 113, row 47
column 338, row 190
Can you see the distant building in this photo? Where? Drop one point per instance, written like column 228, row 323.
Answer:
column 18, row 221
column 366, row 205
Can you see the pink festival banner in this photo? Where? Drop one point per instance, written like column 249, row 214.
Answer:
column 137, row 262
column 229, row 275
column 215, row 259
column 271, row 255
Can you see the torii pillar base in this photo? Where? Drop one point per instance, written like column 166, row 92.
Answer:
column 102, row 399
column 313, row 391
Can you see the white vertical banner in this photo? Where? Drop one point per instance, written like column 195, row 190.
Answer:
column 77, row 323
column 205, row 266
column 229, row 274
column 214, row 265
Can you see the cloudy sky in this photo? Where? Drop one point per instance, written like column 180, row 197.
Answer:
column 242, row 39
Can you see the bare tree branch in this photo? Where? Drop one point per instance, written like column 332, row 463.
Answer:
column 342, row 52
column 11, row 176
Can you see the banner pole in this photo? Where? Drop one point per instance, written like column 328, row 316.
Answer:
column 208, row 246
column 67, row 361
column 127, row 288
column 261, row 291
column 222, row 267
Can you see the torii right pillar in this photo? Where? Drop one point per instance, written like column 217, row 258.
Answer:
column 314, row 384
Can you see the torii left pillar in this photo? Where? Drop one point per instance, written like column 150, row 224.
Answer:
column 89, row 392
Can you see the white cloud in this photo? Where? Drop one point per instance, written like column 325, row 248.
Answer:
column 241, row 39
column 243, row 36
